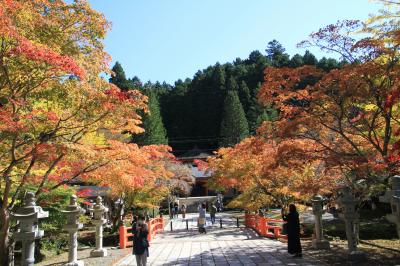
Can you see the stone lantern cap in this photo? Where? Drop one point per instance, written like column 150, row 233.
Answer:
column 395, row 191
column 28, row 216
column 29, row 211
column 99, row 209
column 73, row 211
column 317, row 203
column 73, row 208
column 347, row 198
column 317, row 198
column 348, row 203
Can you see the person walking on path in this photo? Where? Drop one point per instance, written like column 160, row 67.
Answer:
column 183, row 210
column 293, row 231
column 176, row 210
column 140, row 242
column 213, row 211
column 171, row 210
column 202, row 218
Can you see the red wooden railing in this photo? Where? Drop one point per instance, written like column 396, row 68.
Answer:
column 154, row 225
column 267, row 227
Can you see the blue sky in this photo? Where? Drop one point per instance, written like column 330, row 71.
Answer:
column 164, row 40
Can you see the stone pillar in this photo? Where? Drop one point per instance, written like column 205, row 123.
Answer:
column 28, row 217
column 347, row 203
column 394, row 200
column 98, row 220
column 319, row 242
column 73, row 212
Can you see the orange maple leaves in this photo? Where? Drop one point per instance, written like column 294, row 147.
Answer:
column 269, row 167
column 60, row 120
column 336, row 128
column 22, row 46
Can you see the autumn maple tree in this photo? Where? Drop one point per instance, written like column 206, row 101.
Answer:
column 268, row 171
column 350, row 113
column 347, row 116
column 59, row 119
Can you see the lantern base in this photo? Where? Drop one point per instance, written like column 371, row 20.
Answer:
column 321, row 244
column 357, row 256
column 76, row 263
column 98, row 253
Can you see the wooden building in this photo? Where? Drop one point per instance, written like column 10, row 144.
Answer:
column 200, row 188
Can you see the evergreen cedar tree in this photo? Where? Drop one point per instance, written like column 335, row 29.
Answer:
column 152, row 123
column 154, row 130
column 192, row 109
column 234, row 126
column 59, row 120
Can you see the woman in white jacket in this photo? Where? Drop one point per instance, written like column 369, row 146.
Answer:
column 202, row 218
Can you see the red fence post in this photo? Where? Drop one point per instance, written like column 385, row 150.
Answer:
column 257, row 225
column 123, row 238
column 263, row 226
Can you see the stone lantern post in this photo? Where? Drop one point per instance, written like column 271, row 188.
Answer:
column 98, row 220
column 28, row 217
column 319, row 242
column 394, row 217
column 73, row 212
column 350, row 217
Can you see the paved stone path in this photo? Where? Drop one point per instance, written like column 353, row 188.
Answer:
column 227, row 246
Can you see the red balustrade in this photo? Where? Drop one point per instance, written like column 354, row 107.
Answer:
column 154, row 225
column 267, row 227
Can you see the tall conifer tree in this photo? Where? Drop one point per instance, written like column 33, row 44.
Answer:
column 245, row 96
column 119, row 78
column 234, row 126
column 152, row 123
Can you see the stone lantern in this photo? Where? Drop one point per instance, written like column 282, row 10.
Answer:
column 319, row 242
column 348, row 203
column 98, row 220
column 394, row 217
column 28, row 217
column 73, row 212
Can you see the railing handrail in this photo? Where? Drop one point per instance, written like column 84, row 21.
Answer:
column 154, row 226
column 261, row 226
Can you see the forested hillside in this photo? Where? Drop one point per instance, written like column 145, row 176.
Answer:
column 193, row 111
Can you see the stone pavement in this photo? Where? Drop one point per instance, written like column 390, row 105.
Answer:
column 226, row 246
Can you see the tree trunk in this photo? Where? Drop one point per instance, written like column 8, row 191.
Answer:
column 357, row 231
column 117, row 218
column 4, row 233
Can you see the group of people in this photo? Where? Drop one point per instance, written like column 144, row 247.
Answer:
column 202, row 216
column 140, row 230
column 174, row 210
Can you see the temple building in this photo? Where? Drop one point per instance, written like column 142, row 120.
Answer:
column 200, row 188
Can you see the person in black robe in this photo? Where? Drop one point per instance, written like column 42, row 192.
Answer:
column 140, row 242
column 293, row 231
column 134, row 224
